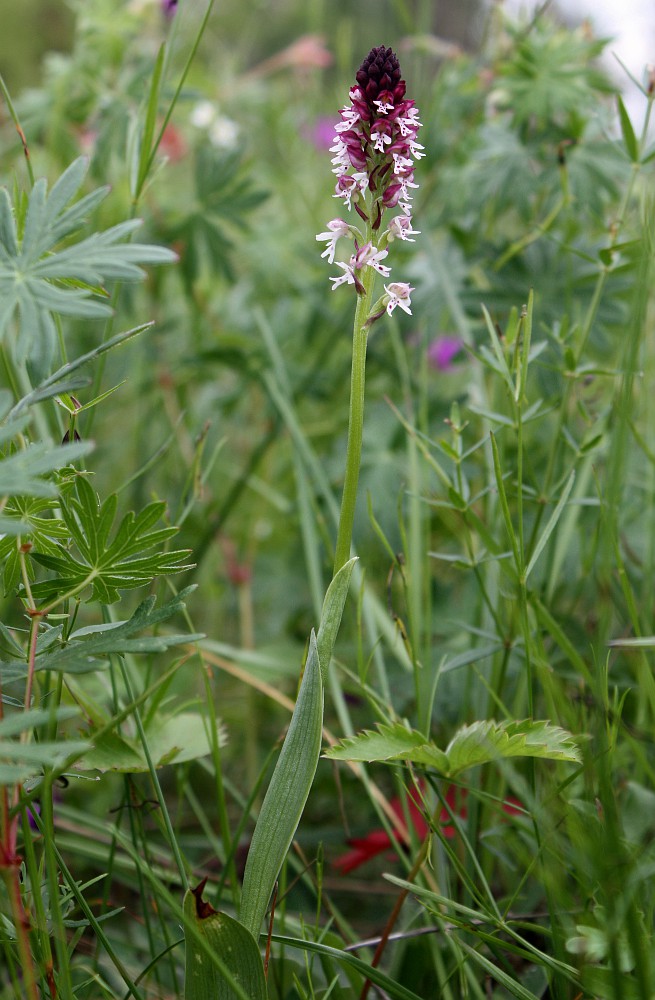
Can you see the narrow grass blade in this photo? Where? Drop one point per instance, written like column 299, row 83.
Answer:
column 504, row 506
column 498, row 351
column 552, row 521
column 150, row 123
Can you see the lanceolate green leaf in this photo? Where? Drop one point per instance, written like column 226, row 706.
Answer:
column 234, row 947
column 296, row 766
column 286, row 795
column 333, row 605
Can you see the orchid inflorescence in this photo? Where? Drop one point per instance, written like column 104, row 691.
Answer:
column 375, row 149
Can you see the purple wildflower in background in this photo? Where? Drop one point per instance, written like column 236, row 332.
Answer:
column 374, row 151
column 441, row 352
column 169, row 7
column 321, row 133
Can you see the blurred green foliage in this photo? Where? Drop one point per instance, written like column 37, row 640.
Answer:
column 233, row 411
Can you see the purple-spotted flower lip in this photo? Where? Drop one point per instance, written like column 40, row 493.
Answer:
column 374, row 150
column 399, row 293
column 365, row 256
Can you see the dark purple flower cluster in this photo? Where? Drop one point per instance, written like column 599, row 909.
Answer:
column 374, row 151
column 377, row 139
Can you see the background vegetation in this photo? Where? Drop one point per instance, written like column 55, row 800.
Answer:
column 505, row 525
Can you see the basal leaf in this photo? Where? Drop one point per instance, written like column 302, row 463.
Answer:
column 172, row 739
column 331, row 613
column 237, row 958
column 286, row 796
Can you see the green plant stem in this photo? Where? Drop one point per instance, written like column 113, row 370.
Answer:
column 355, row 424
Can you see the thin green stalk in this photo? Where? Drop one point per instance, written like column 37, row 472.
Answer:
column 355, row 424
column 32, row 869
column 125, row 674
column 58, row 927
column 21, row 134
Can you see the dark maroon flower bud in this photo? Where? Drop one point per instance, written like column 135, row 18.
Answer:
column 379, row 75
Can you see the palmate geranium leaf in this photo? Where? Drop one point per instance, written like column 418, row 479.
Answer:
column 107, row 566
column 38, row 278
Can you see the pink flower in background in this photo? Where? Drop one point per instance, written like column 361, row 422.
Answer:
column 169, row 7
column 321, row 133
column 441, row 352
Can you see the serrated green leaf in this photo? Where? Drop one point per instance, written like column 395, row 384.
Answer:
column 390, row 743
column 472, row 745
column 482, row 742
column 235, row 948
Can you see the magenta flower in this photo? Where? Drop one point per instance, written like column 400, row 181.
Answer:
column 441, row 352
column 169, row 7
column 374, row 150
column 321, row 133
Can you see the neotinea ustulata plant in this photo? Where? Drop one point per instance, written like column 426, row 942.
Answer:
column 374, row 152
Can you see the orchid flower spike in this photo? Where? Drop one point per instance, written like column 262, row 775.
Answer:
column 374, row 151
